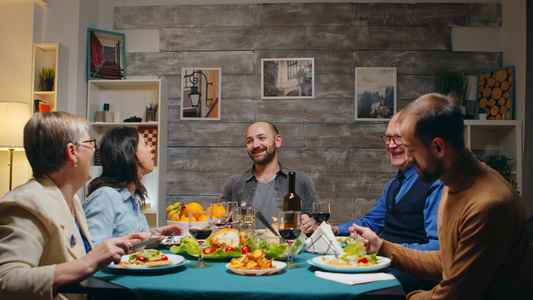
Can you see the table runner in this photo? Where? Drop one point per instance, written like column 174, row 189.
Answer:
column 217, row 281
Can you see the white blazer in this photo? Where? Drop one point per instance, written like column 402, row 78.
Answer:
column 37, row 231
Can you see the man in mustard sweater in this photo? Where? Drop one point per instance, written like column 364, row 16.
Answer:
column 485, row 247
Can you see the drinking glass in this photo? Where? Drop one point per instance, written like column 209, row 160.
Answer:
column 230, row 205
column 221, row 214
column 244, row 219
column 290, row 228
column 200, row 230
column 321, row 211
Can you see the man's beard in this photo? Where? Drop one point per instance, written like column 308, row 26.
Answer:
column 429, row 176
column 266, row 159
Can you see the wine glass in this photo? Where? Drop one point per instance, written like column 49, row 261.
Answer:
column 321, row 211
column 220, row 214
column 200, row 230
column 230, row 206
column 290, row 228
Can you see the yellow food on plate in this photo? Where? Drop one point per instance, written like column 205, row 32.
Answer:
column 227, row 237
column 252, row 261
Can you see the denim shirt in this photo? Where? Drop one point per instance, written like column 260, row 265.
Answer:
column 241, row 188
column 113, row 212
column 375, row 218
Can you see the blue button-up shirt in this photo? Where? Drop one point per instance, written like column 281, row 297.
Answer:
column 375, row 218
column 113, row 212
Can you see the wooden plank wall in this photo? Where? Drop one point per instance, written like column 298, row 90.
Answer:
column 346, row 159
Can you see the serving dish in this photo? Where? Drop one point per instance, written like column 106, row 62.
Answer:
column 278, row 264
column 383, row 262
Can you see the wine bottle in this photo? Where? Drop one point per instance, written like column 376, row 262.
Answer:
column 292, row 201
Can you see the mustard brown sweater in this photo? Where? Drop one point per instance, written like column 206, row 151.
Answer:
column 485, row 249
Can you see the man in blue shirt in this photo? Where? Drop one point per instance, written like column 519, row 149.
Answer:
column 406, row 213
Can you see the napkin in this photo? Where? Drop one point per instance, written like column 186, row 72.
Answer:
column 323, row 241
column 354, row 278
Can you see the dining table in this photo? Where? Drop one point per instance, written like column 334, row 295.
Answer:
column 185, row 282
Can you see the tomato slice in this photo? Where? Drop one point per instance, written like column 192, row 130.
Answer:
column 140, row 258
column 228, row 249
column 209, row 250
column 163, row 257
column 245, row 249
column 363, row 260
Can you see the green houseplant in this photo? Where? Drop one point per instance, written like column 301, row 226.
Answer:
column 501, row 164
column 454, row 83
column 46, row 77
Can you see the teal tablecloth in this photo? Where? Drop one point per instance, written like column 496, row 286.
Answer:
column 218, row 282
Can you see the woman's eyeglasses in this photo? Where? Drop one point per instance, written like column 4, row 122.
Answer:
column 388, row 138
column 92, row 143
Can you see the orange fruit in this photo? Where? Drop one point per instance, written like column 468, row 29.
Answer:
column 193, row 206
column 202, row 218
column 218, row 211
column 184, row 219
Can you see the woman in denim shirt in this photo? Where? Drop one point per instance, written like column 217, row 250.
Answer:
column 116, row 198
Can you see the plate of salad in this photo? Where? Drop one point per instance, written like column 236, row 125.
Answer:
column 353, row 260
column 352, row 264
column 149, row 260
column 190, row 246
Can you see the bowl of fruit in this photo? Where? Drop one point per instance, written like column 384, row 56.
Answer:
column 178, row 213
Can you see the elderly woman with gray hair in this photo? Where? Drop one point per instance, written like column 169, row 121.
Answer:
column 44, row 239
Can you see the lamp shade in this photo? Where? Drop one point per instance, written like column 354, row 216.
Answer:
column 13, row 117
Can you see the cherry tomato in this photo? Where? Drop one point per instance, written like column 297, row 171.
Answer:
column 140, row 258
column 229, row 249
column 363, row 260
column 163, row 257
column 245, row 249
column 209, row 250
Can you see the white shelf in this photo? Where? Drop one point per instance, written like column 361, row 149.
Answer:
column 130, row 98
column 45, row 56
column 497, row 137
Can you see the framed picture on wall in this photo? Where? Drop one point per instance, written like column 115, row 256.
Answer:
column 106, row 54
column 375, row 93
column 495, row 93
column 200, row 93
column 288, row 78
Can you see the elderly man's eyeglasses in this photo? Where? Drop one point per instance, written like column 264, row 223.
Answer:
column 388, row 138
column 92, row 143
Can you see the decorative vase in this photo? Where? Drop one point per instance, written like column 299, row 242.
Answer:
column 47, row 85
column 481, row 116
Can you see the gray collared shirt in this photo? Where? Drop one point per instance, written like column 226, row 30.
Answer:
column 241, row 188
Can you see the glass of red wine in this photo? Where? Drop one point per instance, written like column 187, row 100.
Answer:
column 321, row 212
column 220, row 214
column 200, row 227
column 290, row 228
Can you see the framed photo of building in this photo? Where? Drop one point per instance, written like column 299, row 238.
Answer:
column 375, row 93
column 495, row 93
column 106, row 54
column 287, row 78
column 200, row 93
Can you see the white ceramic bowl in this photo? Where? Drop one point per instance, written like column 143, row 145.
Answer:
column 185, row 226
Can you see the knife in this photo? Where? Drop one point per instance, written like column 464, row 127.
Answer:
column 144, row 242
column 263, row 220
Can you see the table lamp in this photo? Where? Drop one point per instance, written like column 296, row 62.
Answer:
column 13, row 117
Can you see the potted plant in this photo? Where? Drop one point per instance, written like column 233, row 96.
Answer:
column 452, row 83
column 46, row 77
column 501, row 164
column 482, row 114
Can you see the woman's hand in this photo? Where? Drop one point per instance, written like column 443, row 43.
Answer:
column 169, row 229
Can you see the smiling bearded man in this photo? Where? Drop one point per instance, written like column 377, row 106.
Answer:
column 266, row 182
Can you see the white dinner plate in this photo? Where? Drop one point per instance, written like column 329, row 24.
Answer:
column 278, row 264
column 383, row 262
column 177, row 261
column 171, row 241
